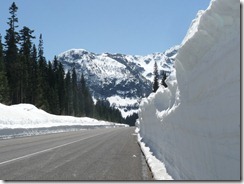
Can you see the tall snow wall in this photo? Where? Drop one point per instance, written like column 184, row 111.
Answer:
column 193, row 126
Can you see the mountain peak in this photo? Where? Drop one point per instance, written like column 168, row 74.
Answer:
column 74, row 51
column 126, row 77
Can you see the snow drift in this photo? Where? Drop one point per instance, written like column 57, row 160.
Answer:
column 193, row 126
column 26, row 119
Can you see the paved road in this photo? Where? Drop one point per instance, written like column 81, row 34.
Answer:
column 100, row 154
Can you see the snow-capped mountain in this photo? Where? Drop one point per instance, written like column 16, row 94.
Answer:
column 119, row 78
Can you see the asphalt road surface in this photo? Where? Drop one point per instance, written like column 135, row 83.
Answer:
column 100, row 154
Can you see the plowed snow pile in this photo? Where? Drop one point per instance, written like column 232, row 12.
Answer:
column 26, row 119
column 193, row 126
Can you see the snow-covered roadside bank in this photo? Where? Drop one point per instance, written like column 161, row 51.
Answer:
column 26, row 120
column 193, row 126
column 157, row 167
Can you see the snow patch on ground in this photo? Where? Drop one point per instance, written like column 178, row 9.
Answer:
column 123, row 104
column 26, row 119
column 193, row 126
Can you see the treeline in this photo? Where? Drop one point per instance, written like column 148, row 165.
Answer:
column 26, row 77
column 156, row 83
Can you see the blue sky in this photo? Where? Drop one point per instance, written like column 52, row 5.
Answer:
column 137, row 27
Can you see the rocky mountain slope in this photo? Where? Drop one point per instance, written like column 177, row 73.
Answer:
column 121, row 79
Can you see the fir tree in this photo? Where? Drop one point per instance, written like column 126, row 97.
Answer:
column 22, row 80
column 42, row 78
column 11, row 54
column 75, row 92
column 131, row 120
column 68, row 94
column 26, row 41
column 33, row 75
column 88, row 102
column 61, row 87
column 53, row 99
column 26, row 65
column 4, row 89
column 81, row 101
column 40, row 49
column 155, row 81
column 163, row 79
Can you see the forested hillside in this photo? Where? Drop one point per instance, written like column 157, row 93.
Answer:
column 27, row 77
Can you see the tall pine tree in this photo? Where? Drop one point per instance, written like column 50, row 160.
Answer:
column 42, row 78
column 26, row 65
column 11, row 54
column 61, row 87
column 52, row 92
column 87, row 101
column 163, row 79
column 155, row 81
column 68, row 95
column 4, row 89
column 75, row 93
column 58, row 85
column 33, row 75
column 26, row 41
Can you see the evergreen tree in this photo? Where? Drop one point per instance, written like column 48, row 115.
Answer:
column 42, row 78
column 59, row 77
column 25, row 41
column 57, row 87
column 55, row 64
column 155, row 81
column 11, row 54
column 131, row 120
column 88, row 102
column 4, row 89
column 26, row 65
column 22, row 79
column 104, row 111
column 52, row 92
column 68, row 94
column 40, row 49
column 163, row 79
column 81, row 101
column 75, row 93
column 33, row 75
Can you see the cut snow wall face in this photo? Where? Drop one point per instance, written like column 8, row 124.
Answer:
column 197, row 133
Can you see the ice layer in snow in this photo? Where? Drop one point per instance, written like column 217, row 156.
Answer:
column 193, row 126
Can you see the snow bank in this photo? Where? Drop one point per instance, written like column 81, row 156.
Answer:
column 193, row 127
column 26, row 119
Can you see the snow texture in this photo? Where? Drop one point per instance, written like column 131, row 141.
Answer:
column 26, row 119
column 121, row 79
column 193, row 126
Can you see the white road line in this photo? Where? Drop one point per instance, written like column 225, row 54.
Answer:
column 46, row 150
